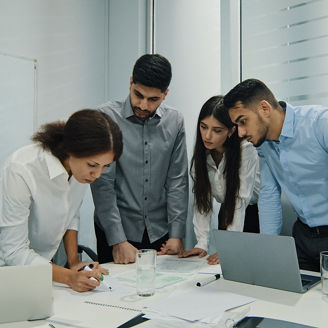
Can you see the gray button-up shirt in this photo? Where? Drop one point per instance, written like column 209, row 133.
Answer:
column 148, row 186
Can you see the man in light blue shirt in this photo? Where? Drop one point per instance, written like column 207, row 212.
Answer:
column 292, row 143
column 142, row 200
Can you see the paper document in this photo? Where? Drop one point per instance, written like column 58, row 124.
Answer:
column 116, row 287
column 64, row 322
column 183, row 265
column 173, row 323
column 214, row 269
column 198, row 304
column 162, row 280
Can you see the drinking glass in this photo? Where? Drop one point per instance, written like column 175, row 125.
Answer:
column 324, row 271
column 146, row 271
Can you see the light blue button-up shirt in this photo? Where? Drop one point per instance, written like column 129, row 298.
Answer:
column 148, row 186
column 298, row 165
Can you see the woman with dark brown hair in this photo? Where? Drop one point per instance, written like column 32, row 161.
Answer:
column 43, row 185
column 226, row 168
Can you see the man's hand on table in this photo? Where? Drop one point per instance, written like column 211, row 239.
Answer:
column 171, row 247
column 124, row 253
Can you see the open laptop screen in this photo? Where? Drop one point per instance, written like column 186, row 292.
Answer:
column 25, row 292
column 259, row 259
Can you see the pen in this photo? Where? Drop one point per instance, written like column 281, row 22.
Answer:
column 208, row 280
column 89, row 268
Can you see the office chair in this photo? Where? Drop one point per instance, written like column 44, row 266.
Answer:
column 81, row 248
column 60, row 257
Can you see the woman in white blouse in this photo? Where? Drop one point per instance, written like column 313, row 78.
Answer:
column 225, row 168
column 43, row 185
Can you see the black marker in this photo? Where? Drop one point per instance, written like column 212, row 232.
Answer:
column 208, row 280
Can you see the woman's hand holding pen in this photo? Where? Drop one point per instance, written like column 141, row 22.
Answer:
column 96, row 267
column 80, row 280
column 86, row 276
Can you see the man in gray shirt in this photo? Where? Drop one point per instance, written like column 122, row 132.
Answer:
column 141, row 201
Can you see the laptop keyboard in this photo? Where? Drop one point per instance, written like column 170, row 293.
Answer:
column 309, row 280
column 305, row 282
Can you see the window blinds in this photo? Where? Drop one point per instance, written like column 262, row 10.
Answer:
column 284, row 43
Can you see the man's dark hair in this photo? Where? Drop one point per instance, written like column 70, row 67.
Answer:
column 248, row 93
column 86, row 133
column 152, row 71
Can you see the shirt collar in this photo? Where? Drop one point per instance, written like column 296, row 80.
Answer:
column 288, row 126
column 55, row 167
column 211, row 162
column 128, row 112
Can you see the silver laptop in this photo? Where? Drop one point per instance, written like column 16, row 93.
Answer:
column 262, row 260
column 25, row 292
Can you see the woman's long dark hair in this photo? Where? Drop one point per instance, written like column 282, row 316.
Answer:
column 87, row 132
column 198, row 170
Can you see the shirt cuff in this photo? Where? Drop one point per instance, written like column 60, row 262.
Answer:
column 177, row 230
column 203, row 244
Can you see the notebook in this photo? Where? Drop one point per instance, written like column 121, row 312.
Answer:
column 263, row 260
column 25, row 292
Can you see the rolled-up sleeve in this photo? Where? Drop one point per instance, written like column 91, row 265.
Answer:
column 74, row 223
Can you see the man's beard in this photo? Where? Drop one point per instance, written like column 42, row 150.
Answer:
column 142, row 114
column 260, row 141
column 263, row 130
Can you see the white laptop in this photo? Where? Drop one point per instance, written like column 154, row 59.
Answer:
column 262, row 260
column 25, row 292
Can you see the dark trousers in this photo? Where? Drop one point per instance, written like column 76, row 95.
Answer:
column 105, row 252
column 309, row 243
column 251, row 223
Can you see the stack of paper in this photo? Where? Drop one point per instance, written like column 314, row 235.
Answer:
column 204, row 304
column 179, row 265
column 162, row 279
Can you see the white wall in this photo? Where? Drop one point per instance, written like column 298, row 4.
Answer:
column 188, row 33
column 69, row 40
column 127, row 42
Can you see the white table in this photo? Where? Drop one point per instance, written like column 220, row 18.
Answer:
column 310, row 308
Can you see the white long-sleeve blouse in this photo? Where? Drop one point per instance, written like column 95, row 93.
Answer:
column 38, row 205
column 248, row 192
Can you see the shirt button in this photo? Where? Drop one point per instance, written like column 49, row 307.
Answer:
column 146, row 162
column 145, row 216
column 145, row 198
column 146, row 142
column 146, row 180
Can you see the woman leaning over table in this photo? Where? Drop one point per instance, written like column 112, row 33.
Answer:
column 43, row 185
column 225, row 168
